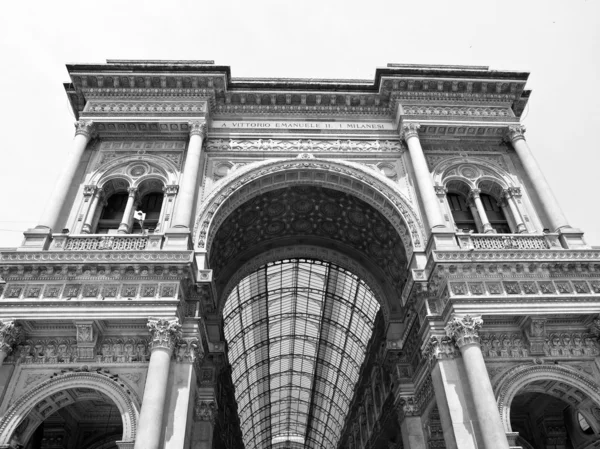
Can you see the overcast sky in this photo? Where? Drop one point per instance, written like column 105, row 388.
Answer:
column 557, row 41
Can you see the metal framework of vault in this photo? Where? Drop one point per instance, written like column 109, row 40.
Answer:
column 297, row 332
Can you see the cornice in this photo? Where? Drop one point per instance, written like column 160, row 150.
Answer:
column 517, row 255
column 124, row 257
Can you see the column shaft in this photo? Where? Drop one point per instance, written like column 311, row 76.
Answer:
column 412, row 433
column 424, row 181
column 486, row 409
column 91, row 212
column 516, row 214
column 126, row 221
column 487, row 227
column 553, row 211
column 151, row 415
column 51, row 216
column 182, row 216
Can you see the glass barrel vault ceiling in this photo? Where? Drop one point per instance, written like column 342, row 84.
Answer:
column 297, row 332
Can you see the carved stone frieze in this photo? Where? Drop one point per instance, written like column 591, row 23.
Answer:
column 122, row 350
column 165, row 333
column 504, row 345
column 47, row 350
column 464, row 329
column 568, row 344
column 304, row 145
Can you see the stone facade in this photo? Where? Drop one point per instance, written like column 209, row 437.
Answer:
column 183, row 181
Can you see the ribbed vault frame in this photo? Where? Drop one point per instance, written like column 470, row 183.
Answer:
column 297, row 333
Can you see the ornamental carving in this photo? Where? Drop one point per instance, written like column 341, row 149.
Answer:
column 504, row 345
column 165, row 333
column 205, row 410
column 304, row 145
column 122, row 350
column 440, row 348
column 9, row 335
column 472, row 112
column 47, row 350
column 189, row 350
column 464, row 329
column 570, row 345
column 407, row 406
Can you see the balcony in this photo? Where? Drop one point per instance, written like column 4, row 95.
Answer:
column 107, row 242
column 508, row 241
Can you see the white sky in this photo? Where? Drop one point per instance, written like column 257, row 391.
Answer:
column 557, row 41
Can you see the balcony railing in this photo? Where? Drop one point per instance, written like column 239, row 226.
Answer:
column 110, row 242
column 508, row 241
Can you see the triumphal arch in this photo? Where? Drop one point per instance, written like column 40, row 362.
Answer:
column 298, row 263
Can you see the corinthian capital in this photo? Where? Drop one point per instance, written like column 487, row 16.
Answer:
column 515, row 132
column 410, row 130
column 85, row 128
column 464, row 329
column 198, row 128
column 9, row 335
column 165, row 333
column 439, row 348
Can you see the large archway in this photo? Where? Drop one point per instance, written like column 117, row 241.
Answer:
column 550, row 403
column 45, row 400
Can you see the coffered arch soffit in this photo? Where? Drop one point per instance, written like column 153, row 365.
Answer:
column 136, row 169
column 264, row 176
column 124, row 398
column 524, row 377
column 474, row 172
column 383, row 294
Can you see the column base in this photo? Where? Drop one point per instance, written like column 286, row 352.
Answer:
column 37, row 239
column 178, row 239
column 572, row 238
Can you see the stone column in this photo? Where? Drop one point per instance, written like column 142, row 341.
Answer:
column 88, row 223
column 510, row 196
column 205, row 415
column 474, row 196
column 127, row 220
column 165, row 334
column 51, row 216
column 411, row 427
column 187, row 188
column 553, row 211
column 424, row 181
column 9, row 335
column 465, row 330
column 452, row 395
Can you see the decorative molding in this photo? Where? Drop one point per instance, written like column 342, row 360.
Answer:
column 504, row 346
column 464, row 329
column 305, row 145
column 165, row 333
column 137, row 108
column 457, row 111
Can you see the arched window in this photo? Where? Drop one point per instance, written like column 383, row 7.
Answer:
column 495, row 214
column 461, row 212
column 112, row 213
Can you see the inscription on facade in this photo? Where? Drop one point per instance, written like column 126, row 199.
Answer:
column 317, row 125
